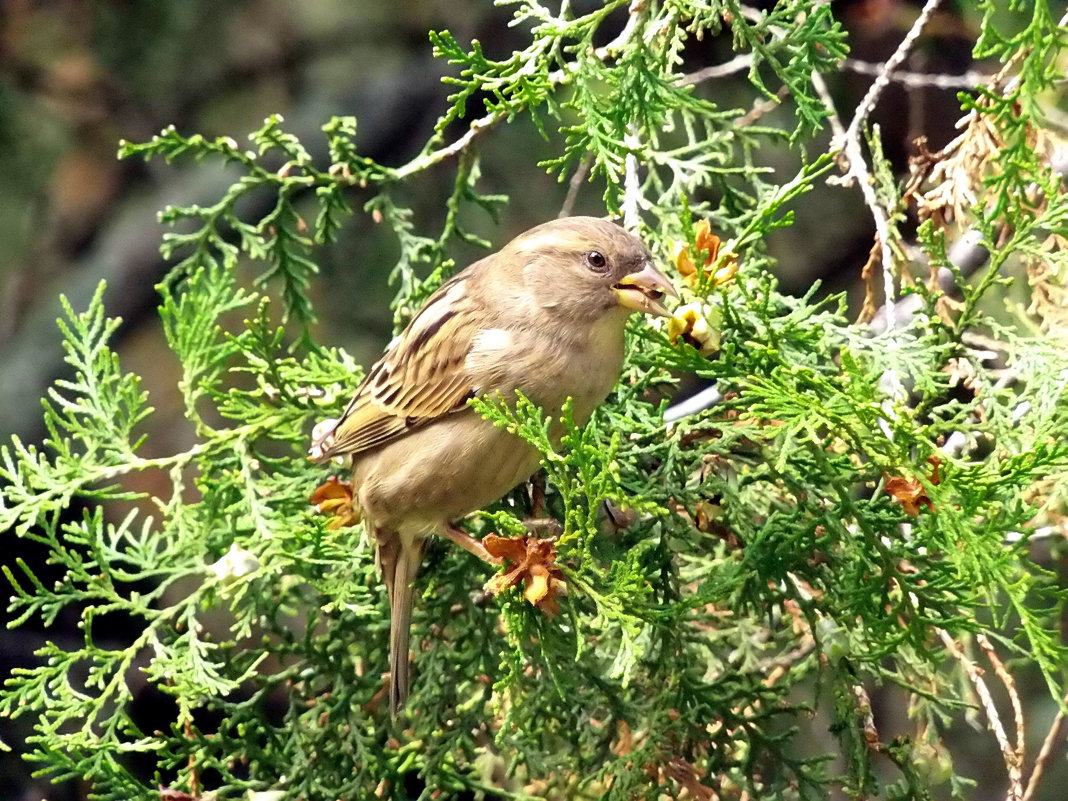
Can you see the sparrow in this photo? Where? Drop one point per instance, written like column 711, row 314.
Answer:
column 544, row 316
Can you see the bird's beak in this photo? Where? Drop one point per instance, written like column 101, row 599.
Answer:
column 643, row 290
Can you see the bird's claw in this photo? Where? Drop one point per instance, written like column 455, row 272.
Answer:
column 470, row 544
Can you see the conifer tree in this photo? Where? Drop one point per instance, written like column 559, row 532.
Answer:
column 847, row 505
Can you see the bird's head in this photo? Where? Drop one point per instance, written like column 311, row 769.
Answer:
column 584, row 267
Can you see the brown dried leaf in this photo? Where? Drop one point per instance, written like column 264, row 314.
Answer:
column 689, row 777
column 708, row 517
column 955, row 173
column 962, row 372
column 909, row 492
column 624, row 743
column 936, row 463
column 867, row 274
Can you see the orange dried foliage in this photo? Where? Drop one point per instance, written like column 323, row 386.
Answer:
column 533, row 561
column 690, row 323
column 335, row 498
column 708, row 244
column 910, row 493
column 624, row 742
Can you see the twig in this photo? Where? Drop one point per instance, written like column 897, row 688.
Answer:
column 743, row 61
column 194, row 774
column 1044, row 754
column 825, row 97
column 632, row 189
column 871, row 734
column 762, row 106
column 705, row 399
column 775, row 667
column 917, row 80
column 574, row 186
column 975, row 675
column 555, row 78
column 1039, row 534
column 867, row 105
column 966, row 254
column 852, row 156
column 1014, row 698
column 441, row 154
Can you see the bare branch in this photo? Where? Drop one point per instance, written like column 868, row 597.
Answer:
column 975, row 675
column 825, row 97
column 421, row 163
column 852, row 155
column 864, row 710
column 1052, row 740
column 1014, row 698
column 741, row 62
column 705, row 399
column 574, row 185
column 867, row 105
column 917, row 80
column 632, row 187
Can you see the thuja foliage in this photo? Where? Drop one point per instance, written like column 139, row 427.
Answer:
column 851, row 507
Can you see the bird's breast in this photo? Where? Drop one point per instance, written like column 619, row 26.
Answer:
column 440, row 473
column 549, row 366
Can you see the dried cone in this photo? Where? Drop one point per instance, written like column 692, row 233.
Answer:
column 532, row 561
column 335, row 498
column 706, row 244
column 910, row 493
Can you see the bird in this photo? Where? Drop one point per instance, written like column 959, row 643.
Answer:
column 544, row 316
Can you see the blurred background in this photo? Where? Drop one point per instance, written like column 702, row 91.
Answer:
column 77, row 76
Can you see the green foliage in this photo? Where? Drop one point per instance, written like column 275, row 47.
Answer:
column 734, row 578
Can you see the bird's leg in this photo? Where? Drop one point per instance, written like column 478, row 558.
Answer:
column 470, row 544
column 537, row 495
column 537, row 503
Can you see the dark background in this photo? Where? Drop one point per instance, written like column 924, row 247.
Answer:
column 76, row 76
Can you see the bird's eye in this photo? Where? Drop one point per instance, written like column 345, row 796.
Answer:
column 596, row 261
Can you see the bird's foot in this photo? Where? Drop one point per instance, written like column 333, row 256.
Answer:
column 470, row 544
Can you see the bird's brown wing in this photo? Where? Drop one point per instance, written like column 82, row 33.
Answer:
column 422, row 378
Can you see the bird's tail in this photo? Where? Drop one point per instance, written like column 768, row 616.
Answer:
column 400, row 565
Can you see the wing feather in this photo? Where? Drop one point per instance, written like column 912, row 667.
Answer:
column 421, row 379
